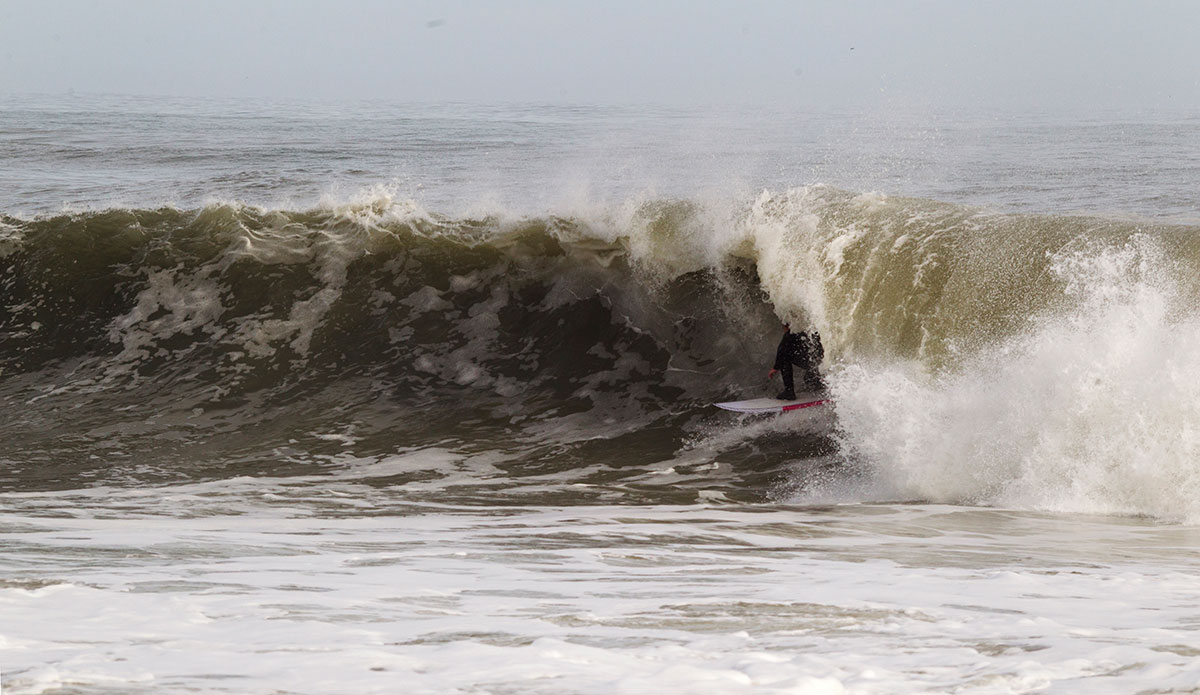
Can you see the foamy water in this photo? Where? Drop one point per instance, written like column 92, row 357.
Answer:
column 1095, row 411
column 333, row 587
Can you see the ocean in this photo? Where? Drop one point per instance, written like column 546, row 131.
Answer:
column 308, row 397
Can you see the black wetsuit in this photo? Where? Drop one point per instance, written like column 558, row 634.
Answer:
column 803, row 350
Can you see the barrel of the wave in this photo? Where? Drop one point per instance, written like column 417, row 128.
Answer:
column 800, row 349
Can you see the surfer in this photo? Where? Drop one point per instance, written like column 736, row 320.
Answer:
column 802, row 350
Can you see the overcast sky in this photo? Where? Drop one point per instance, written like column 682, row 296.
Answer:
column 941, row 53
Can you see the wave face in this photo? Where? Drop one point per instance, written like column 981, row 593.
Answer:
column 1032, row 361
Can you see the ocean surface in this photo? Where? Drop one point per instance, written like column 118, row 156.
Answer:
column 409, row 398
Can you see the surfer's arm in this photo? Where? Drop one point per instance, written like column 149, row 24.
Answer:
column 818, row 350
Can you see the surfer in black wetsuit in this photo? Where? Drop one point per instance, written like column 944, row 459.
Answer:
column 802, row 350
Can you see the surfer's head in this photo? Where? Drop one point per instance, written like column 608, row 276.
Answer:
column 793, row 317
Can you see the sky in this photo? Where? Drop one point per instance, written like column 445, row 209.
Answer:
column 1041, row 54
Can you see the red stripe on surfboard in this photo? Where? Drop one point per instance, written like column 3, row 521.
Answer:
column 809, row 404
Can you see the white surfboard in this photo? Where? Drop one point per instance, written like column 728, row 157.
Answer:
column 773, row 405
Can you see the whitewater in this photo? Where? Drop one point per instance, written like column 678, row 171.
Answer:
column 315, row 398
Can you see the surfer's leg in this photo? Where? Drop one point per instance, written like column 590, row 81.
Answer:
column 813, row 380
column 789, row 386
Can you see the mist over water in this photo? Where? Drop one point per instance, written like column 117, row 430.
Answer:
column 96, row 151
column 452, row 342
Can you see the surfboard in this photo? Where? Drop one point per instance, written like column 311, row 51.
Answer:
column 772, row 405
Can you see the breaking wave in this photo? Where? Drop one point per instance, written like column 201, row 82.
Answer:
column 976, row 357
